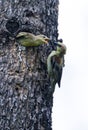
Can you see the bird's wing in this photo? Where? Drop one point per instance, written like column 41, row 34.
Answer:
column 25, row 35
column 58, row 73
column 30, row 36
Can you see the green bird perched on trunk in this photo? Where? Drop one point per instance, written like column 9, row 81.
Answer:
column 28, row 39
column 55, row 64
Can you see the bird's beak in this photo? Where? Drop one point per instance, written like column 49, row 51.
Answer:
column 47, row 40
column 56, row 43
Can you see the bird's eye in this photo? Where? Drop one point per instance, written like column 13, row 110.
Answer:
column 44, row 36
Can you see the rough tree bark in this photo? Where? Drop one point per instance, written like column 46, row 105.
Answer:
column 25, row 93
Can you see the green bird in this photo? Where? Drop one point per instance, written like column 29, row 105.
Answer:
column 55, row 64
column 28, row 39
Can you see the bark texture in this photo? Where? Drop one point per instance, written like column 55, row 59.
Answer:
column 25, row 93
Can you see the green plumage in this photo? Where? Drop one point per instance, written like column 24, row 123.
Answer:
column 28, row 39
column 55, row 63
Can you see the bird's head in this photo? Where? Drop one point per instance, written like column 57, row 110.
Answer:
column 43, row 38
column 61, row 47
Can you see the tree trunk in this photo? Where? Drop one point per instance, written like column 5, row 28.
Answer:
column 25, row 93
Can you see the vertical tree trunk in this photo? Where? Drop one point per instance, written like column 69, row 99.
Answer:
column 25, row 92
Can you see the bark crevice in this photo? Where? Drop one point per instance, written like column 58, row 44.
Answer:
column 25, row 93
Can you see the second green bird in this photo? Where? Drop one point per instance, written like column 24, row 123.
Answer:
column 55, row 63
